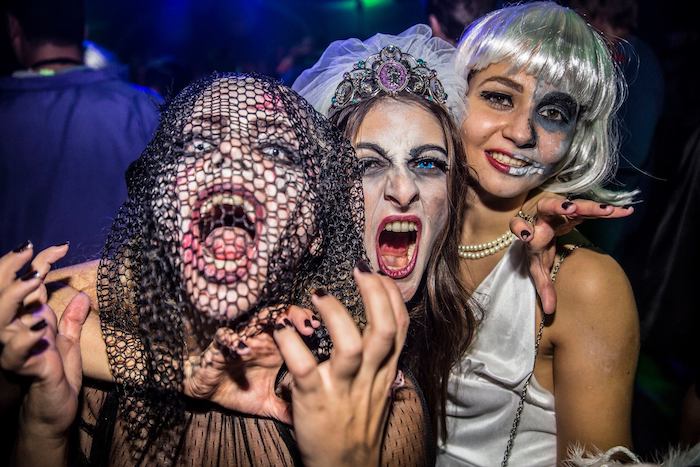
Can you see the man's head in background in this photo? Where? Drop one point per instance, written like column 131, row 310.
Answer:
column 43, row 30
column 448, row 18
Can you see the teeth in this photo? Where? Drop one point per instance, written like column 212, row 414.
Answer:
column 511, row 161
column 401, row 226
column 233, row 200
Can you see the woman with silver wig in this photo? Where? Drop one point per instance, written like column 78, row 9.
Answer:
column 542, row 93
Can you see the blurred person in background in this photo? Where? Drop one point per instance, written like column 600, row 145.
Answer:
column 448, row 18
column 69, row 132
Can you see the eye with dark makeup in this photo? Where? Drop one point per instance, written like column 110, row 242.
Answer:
column 371, row 165
column 558, row 107
column 497, row 100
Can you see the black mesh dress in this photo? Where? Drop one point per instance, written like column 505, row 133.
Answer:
column 245, row 200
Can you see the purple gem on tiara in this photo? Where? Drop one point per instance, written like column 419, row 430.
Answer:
column 393, row 76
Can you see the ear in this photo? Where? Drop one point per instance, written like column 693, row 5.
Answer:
column 16, row 33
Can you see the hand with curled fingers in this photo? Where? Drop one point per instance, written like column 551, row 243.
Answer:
column 545, row 217
column 239, row 372
column 47, row 353
column 340, row 406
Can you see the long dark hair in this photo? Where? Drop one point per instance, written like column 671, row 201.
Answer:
column 442, row 317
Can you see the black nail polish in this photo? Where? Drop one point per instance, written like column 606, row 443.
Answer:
column 319, row 292
column 307, row 323
column 566, row 204
column 29, row 275
column 316, row 318
column 604, row 206
column 363, row 266
column 381, row 273
column 23, row 246
column 39, row 347
column 241, row 345
column 279, row 326
column 524, row 234
column 627, row 207
column 39, row 325
column 67, row 242
column 287, row 322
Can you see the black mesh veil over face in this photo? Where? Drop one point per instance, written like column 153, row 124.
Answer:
column 245, row 199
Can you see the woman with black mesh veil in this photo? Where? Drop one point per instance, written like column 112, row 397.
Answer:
column 246, row 202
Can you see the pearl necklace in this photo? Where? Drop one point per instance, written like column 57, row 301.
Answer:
column 482, row 250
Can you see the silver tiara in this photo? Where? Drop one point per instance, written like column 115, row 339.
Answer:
column 390, row 71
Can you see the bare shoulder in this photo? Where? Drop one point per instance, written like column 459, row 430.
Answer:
column 63, row 284
column 594, row 295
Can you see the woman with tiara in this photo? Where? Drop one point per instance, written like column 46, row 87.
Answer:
column 246, row 202
column 542, row 93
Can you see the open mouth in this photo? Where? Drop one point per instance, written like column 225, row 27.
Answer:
column 397, row 245
column 227, row 220
column 514, row 164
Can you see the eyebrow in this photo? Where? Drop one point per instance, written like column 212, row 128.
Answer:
column 374, row 147
column 505, row 82
column 417, row 151
column 219, row 121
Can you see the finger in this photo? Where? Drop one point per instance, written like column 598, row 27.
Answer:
column 544, row 286
column 521, row 228
column 346, row 356
column 380, row 333
column 46, row 258
column 299, row 360
column 231, row 340
column 13, row 261
column 74, row 316
column 11, row 297
column 18, row 348
column 594, row 210
column 301, row 318
column 554, row 206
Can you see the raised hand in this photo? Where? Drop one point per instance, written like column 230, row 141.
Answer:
column 239, row 373
column 545, row 217
column 340, row 406
column 48, row 354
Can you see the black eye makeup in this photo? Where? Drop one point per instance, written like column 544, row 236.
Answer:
column 497, row 100
column 557, row 111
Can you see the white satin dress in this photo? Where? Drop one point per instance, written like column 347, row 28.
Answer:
column 484, row 390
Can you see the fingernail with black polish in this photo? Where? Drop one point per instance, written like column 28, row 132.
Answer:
column 241, row 345
column 287, row 322
column 26, row 244
column 604, row 206
column 67, row 242
column 39, row 347
column 524, row 234
column 279, row 326
column 29, row 275
column 319, row 292
column 627, row 207
column 316, row 318
column 363, row 266
column 566, row 204
column 381, row 273
column 39, row 325
column 307, row 323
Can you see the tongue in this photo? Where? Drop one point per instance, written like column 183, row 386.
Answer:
column 227, row 243
column 393, row 248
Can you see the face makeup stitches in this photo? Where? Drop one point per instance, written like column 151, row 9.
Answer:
column 240, row 189
column 401, row 147
column 520, row 126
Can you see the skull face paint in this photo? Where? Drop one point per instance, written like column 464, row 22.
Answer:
column 240, row 187
column 517, row 129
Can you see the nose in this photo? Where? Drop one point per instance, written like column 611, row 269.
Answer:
column 520, row 131
column 401, row 189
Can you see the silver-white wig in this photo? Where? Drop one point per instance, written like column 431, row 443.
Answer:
column 555, row 44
